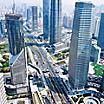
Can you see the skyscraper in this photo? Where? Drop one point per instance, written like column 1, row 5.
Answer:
column 34, row 18
column 66, row 22
column 3, row 99
column 14, row 25
column 55, row 21
column 97, row 25
column 46, row 18
column 80, row 44
column 28, row 14
column 100, row 42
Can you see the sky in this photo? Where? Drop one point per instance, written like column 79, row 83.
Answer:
column 68, row 5
column 65, row 2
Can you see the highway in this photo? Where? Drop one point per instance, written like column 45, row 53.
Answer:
column 56, row 89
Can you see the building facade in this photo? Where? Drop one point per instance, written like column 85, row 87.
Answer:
column 28, row 14
column 100, row 42
column 34, row 18
column 55, row 21
column 95, row 54
column 2, row 28
column 3, row 98
column 80, row 45
column 14, row 25
column 18, row 69
column 46, row 18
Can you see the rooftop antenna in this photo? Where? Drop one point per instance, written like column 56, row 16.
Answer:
column 13, row 8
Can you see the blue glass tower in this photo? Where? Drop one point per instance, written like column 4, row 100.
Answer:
column 14, row 25
column 55, row 21
column 34, row 18
column 46, row 18
column 100, row 42
column 80, row 44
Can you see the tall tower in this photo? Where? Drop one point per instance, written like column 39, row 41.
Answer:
column 80, row 44
column 55, row 21
column 14, row 25
column 34, row 18
column 46, row 18
column 100, row 42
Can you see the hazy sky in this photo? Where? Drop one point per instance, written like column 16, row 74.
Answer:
column 67, row 4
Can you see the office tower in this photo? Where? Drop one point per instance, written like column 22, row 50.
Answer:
column 66, row 22
column 1, row 28
column 80, row 44
column 28, row 14
column 97, row 25
column 34, row 18
column 14, row 25
column 100, row 42
column 24, row 10
column 3, row 99
column 46, row 18
column 95, row 54
column 55, row 21
column 18, row 69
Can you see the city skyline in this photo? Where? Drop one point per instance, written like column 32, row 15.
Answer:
column 51, row 52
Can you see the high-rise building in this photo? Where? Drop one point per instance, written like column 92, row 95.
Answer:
column 66, row 21
column 46, row 18
column 55, row 21
column 34, row 18
column 80, row 44
column 18, row 69
column 97, row 25
column 100, row 42
column 14, row 25
column 2, row 27
column 28, row 14
column 3, row 98
column 95, row 54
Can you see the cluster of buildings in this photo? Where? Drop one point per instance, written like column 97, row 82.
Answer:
column 81, row 48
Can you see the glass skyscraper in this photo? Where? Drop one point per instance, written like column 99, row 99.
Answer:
column 34, row 18
column 80, row 44
column 14, row 25
column 55, row 21
column 46, row 18
column 100, row 42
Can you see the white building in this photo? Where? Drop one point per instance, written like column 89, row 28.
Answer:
column 3, row 99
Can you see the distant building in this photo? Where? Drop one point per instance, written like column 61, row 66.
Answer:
column 100, row 42
column 46, row 18
column 67, row 22
column 34, row 18
column 97, row 25
column 3, row 98
column 2, row 28
column 80, row 44
column 14, row 25
column 28, row 14
column 95, row 54
column 55, row 21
